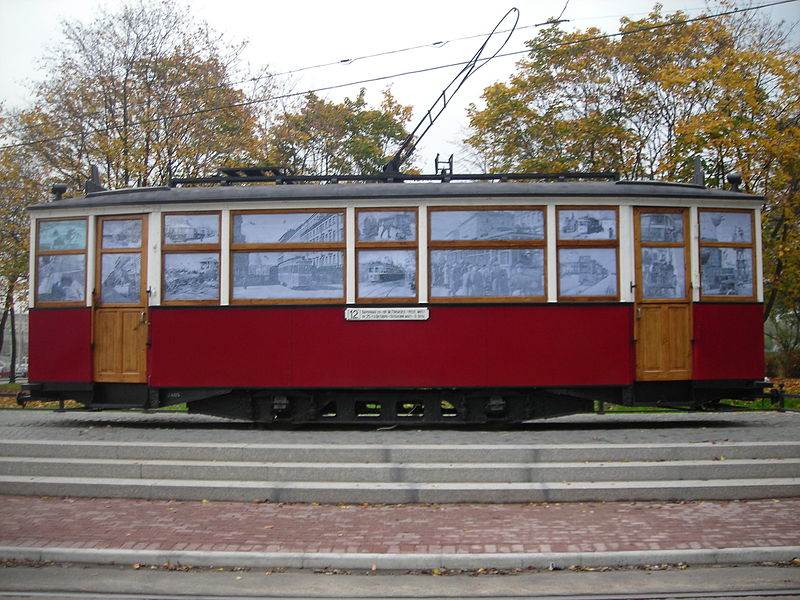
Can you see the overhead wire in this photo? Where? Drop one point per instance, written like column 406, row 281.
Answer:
column 344, row 61
column 437, row 44
column 563, row 10
column 473, row 64
column 403, row 74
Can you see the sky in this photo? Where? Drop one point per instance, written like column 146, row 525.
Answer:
column 291, row 35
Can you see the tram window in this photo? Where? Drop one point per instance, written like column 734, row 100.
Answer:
column 287, row 256
column 726, row 255
column 288, row 227
column 61, row 262
column 664, row 273
column 588, row 248
column 487, row 254
column 386, row 255
column 387, row 226
column 191, row 247
column 121, row 258
column 185, row 229
column 279, row 275
column 121, row 234
column 661, row 253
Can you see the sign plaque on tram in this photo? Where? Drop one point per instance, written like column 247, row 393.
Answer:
column 387, row 314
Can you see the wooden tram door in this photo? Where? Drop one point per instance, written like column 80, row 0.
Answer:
column 120, row 300
column 662, row 312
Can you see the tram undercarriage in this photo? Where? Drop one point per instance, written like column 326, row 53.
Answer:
column 434, row 406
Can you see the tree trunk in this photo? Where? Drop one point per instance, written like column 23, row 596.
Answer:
column 4, row 318
column 12, row 372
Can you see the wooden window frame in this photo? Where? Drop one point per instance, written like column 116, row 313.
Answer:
column 751, row 245
column 100, row 252
column 571, row 244
column 241, row 248
column 168, row 249
column 388, row 245
column 639, row 243
column 69, row 252
column 530, row 244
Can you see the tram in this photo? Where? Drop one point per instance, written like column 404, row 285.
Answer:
column 528, row 297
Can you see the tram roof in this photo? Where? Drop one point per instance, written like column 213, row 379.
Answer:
column 585, row 190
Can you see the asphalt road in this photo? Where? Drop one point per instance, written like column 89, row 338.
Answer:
column 576, row 429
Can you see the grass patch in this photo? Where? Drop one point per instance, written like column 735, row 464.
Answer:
column 790, row 387
column 619, row 408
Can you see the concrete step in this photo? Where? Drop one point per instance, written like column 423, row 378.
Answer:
column 401, row 493
column 401, row 472
column 401, row 453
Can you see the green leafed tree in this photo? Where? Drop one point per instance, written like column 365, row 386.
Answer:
column 325, row 138
column 648, row 99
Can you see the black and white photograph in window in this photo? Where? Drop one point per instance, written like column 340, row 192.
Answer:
column 487, row 272
column 387, row 273
column 191, row 229
column 726, row 271
column 587, row 224
column 191, row 276
column 120, row 278
column 387, row 226
column 587, row 271
column 663, row 273
column 122, row 233
column 287, row 228
column 61, row 278
column 288, row 275
column 62, row 235
column 460, row 225
column 726, row 226
column 661, row 227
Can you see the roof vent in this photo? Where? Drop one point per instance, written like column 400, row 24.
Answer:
column 93, row 183
column 698, row 177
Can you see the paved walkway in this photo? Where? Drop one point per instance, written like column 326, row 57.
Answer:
column 398, row 536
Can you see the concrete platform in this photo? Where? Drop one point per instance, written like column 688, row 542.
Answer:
column 579, row 455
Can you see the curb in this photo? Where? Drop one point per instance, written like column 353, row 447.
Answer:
column 319, row 560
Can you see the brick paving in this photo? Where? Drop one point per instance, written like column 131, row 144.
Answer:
column 396, row 529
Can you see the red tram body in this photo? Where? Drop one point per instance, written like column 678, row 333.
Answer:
column 507, row 300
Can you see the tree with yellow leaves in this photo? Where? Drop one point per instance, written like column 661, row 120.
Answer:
column 19, row 187
column 647, row 100
column 146, row 94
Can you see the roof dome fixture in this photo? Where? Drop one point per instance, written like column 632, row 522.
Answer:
column 58, row 190
column 735, row 179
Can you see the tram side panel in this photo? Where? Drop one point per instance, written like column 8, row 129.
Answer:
column 459, row 346
column 60, row 345
column 728, row 341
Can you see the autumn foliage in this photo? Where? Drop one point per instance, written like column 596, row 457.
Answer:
column 147, row 93
column 648, row 99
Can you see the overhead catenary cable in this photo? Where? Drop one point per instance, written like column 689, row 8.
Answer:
column 347, row 61
column 397, row 75
column 344, row 61
column 473, row 64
